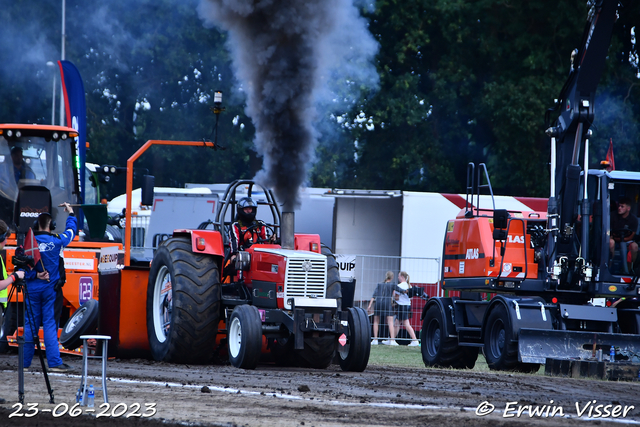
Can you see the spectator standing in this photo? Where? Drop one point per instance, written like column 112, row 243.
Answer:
column 383, row 297
column 404, row 307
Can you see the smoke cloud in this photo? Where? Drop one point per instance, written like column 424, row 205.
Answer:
column 292, row 57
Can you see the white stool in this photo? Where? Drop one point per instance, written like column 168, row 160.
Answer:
column 85, row 359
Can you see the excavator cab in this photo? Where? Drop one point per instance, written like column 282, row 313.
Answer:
column 624, row 196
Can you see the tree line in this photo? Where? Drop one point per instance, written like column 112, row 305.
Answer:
column 460, row 81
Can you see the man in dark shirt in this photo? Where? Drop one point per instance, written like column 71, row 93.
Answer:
column 20, row 168
column 623, row 228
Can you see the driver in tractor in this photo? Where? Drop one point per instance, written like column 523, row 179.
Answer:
column 245, row 231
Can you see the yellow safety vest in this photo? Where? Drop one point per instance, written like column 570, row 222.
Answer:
column 3, row 293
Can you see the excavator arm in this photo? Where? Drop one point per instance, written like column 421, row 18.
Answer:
column 570, row 131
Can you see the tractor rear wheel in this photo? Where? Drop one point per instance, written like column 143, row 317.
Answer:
column 500, row 350
column 334, row 287
column 244, row 337
column 354, row 355
column 282, row 352
column 319, row 350
column 320, row 347
column 183, row 303
column 438, row 349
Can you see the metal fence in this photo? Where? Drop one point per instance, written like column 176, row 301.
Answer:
column 139, row 227
column 423, row 272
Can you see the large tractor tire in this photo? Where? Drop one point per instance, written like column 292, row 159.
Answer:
column 354, row 355
column 183, row 304
column 334, row 287
column 438, row 349
column 282, row 352
column 244, row 337
column 319, row 350
column 500, row 350
column 320, row 347
column 83, row 322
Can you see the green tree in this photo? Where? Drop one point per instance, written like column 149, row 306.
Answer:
column 471, row 81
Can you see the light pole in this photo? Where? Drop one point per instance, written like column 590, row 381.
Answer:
column 53, row 98
column 62, row 51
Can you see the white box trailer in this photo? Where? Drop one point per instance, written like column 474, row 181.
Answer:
column 172, row 208
column 399, row 230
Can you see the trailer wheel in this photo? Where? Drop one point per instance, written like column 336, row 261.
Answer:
column 500, row 350
column 183, row 304
column 244, row 337
column 334, row 288
column 438, row 349
column 84, row 321
column 354, row 355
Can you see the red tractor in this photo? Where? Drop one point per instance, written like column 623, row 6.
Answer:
column 281, row 299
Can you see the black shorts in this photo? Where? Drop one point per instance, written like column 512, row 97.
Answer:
column 383, row 308
column 403, row 312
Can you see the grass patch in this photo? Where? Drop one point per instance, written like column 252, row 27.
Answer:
column 410, row 357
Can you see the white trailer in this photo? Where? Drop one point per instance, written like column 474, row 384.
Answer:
column 398, row 230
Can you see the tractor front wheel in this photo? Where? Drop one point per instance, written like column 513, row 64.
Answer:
column 244, row 337
column 354, row 355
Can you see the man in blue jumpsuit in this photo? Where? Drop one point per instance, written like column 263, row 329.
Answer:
column 40, row 287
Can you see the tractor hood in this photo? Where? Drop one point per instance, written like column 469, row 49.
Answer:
column 289, row 253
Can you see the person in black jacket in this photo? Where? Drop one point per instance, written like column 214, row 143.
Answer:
column 383, row 297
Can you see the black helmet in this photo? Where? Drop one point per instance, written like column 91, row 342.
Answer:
column 247, row 202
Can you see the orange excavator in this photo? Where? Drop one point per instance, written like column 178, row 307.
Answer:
column 534, row 286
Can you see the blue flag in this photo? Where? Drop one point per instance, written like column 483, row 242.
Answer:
column 76, row 111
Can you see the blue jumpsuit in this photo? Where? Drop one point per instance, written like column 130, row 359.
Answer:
column 42, row 295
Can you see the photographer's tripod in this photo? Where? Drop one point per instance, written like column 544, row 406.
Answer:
column 20, row 286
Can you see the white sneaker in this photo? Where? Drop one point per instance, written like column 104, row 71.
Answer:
column 415, row 343
column 388, row 342
column 374, row 342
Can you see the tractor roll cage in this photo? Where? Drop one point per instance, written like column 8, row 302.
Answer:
column 229, row 200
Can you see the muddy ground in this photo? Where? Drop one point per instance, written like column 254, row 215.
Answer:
column 271, row 396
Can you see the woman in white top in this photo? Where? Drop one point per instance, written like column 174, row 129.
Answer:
column 404, row 307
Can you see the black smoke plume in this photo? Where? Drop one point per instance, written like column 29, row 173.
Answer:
column 285, row 53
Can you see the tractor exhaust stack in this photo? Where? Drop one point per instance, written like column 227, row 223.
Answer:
column 287, row 237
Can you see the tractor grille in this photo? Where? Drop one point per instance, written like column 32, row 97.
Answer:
column 305, row 278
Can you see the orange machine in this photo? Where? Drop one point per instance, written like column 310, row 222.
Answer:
column 471, row 252
column 37, row 173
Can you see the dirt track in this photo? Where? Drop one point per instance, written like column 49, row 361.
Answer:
column 269, row 396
